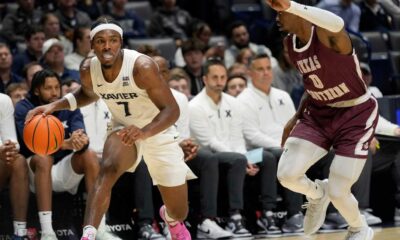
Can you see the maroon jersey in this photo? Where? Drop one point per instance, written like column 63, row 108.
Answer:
column 328, row 77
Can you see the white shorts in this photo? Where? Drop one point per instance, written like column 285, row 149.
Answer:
column 164, row 159
column 63, row 177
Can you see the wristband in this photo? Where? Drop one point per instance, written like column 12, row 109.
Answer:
column 73, row 105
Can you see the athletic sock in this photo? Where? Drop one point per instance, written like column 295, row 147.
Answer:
column 46, row 222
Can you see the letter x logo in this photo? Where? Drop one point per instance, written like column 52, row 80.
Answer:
column 228, row 113
column 106, row 115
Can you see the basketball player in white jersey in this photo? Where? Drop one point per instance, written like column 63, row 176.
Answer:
column 143, row 111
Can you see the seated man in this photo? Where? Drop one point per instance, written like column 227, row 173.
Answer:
column 216, row 124
column 13, row 168
column 63, row 170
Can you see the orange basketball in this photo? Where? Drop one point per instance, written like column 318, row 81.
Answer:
column 44, row 135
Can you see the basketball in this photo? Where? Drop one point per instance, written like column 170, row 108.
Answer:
column 44, row 135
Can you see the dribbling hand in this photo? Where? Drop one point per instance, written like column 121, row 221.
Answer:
column 278, row 5
column 44, row 109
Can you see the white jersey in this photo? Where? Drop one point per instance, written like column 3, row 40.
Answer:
column 128, row 103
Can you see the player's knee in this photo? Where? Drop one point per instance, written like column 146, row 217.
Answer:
column 285, row 176
column 42, row 163
column 90, row 160
column 20, row 167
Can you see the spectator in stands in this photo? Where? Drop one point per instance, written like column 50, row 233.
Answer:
column 244, row 56
column 392, row 7
column 16, row 23
column 239, row 69
column 51, row 27
column 367, row 77
column 346, row 9
column 130, row 22
column 29, row 70
column 202, row 31
column 13, row 168
column 34, row 39
column 169, row 21
column 205, row 164
column 374, row 17
column 53, row 58
column 82, row 48
column 180, row 81
column 149, row 50
column 63, row 170
column 193, row 54
column 93, row 8
column 17, row 92
column 240, row 38
column 7, row 76
column 287, row 77
column 216, row 124
column 70, row 17
column 266, row 111
column 235, row 84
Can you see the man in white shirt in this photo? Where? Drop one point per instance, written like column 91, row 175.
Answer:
column 13, row 167
column 215, row 123
column 266, row 110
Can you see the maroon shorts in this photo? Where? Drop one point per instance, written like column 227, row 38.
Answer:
column 348, row 130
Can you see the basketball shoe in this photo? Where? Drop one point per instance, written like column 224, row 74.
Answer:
column 316, row 209
column 147, row 232
column 209, row 229
column 179, row 231
column 267, row 224
column 235, row 226
column 369, row 217
column 294, row 225
column 361, row 233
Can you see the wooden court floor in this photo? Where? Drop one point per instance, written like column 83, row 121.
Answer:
column 388, row 233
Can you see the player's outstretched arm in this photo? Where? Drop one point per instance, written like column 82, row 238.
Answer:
column 81, row 97
column 330, row 27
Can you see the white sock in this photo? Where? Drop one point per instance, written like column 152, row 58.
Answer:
column 20, row 228
column 46, row 222
column 89, row 232
column 170, row 220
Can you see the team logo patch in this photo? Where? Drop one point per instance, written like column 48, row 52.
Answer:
column 125, row 81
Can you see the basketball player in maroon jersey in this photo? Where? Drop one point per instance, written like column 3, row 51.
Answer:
column 337, row 111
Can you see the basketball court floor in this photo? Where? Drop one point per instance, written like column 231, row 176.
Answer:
column 386, row 233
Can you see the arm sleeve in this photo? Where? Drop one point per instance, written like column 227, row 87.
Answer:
column 200, row 129
column 317, row 16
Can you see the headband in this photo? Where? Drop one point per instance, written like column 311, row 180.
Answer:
column 106, row 26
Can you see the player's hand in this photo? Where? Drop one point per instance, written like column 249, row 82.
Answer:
column 374, row 145
column 288, row 128
column 129, row 135
column 278, row 5
column 252, row 169
column 44, row 109
column 8, row 152
column 189, row 149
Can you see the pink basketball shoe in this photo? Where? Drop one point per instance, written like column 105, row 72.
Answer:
column 179, row 231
